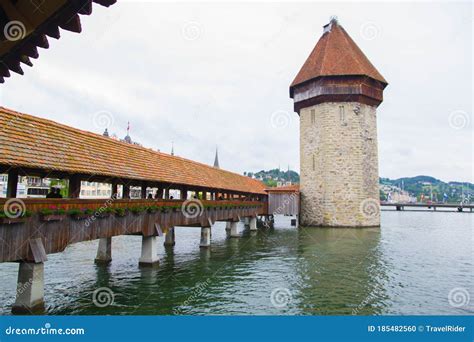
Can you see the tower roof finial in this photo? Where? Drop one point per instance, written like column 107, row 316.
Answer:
column 172, row 148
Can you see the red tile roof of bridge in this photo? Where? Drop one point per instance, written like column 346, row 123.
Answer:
column 336, row 54
column 31, row 142
column 286, row 188
column 34, row 21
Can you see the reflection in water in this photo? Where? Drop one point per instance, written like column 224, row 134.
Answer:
column 340, row 271
column 409, row 266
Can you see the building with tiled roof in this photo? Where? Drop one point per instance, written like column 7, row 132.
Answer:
column 336, row 93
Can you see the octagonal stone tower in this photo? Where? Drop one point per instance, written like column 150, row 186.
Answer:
column 336, row 94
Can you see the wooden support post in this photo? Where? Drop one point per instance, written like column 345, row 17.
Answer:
column 159, row 193
column 114, row 193
column 104, row 251
column 30, row 289
column 126, row 191
column 12, row 184
column 184, row 193
column 167, row 193
column 170, row 239
column 74, row 186
column 143, row 190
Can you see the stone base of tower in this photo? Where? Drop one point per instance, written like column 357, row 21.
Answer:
column 351, row 215
column 339, row 181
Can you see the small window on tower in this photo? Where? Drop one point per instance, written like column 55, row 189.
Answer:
column 313, row 116
column 342, row 115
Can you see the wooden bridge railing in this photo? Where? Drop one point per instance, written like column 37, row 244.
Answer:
column 35, row 204
column 18, row 237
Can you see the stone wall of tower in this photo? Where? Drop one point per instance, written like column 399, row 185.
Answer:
column 339, row 165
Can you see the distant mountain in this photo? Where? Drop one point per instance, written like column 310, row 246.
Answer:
column 432, row 188
column 272, row 177
column 429, row 187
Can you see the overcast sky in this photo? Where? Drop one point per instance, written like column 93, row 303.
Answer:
column 207, row 75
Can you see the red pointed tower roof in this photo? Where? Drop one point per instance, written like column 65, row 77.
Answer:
column 336, row 54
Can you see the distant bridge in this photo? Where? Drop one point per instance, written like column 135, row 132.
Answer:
column 433, row 206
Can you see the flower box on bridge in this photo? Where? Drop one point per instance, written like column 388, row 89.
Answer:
column 13, row 220
column 52, row 217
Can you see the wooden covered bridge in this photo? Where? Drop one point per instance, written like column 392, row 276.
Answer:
column 32, row 228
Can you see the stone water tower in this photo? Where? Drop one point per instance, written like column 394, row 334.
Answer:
column 336, row 94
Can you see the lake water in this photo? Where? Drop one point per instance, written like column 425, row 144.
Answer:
column 416, row 263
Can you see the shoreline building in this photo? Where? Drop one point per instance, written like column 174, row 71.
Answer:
column 336, row 94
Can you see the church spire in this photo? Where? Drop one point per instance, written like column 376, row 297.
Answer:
column 127, row 137
column 216, row 160
column 172, row 148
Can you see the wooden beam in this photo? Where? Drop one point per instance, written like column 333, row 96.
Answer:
column 126, row 191
column 159, row 193
column 184, row 193
column 4, row 72
column 52, row 31
column 12, row 184
column 105, row 3
column 14, row 65
column 30, row 50
column 72, row 24
column 41, row 41
column 114, row 189
column 86, row 9
column 37, row 251
column 74, row 186
column 25, row 60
